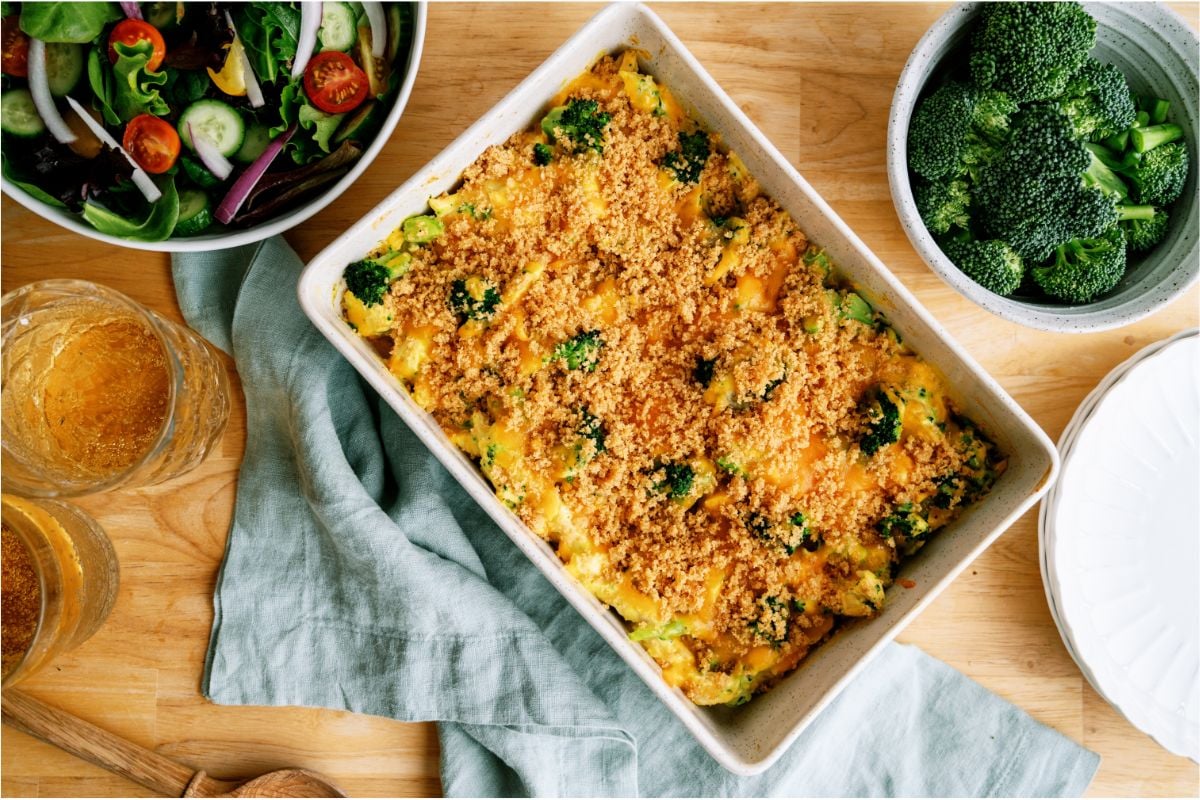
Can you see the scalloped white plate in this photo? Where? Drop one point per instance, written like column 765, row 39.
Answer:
column 1123, row 545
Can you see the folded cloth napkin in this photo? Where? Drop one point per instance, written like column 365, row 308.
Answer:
column 358, row 575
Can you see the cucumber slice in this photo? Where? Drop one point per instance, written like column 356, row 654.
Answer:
column 198, row 173
column 258, row 136
column 64, row 67
column 357, row 124
column 18, row 116
column 218, row 121
column 194, row 213
column 337, row 31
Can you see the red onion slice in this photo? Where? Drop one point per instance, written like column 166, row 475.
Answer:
column 310, row 23
column 246, row 182
column 211, row 157
column 378, row 21
column 140, row 179
column 132, row 10
column 43, row 101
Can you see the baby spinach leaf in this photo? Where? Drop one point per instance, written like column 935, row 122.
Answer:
column 67, row 22
column 101, row 79
column 157, row 225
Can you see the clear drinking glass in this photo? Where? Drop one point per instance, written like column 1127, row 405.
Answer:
column 100, row 392
column 60, row 581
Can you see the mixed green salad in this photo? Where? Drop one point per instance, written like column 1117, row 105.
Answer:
column 1036, row 168
column 153, row 120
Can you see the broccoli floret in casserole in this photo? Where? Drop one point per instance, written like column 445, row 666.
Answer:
column 543, row 154
column 369, row 278
column 883, row 417
column 688, row 161
column 1030, row 50
column 474, row 299
column 580, row 122
column 677, row 480
column 581, row 351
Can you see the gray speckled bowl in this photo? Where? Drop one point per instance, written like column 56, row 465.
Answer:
column 1158, row 52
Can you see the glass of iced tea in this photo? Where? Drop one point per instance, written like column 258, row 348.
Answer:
column 59, row 582
column 100, row 392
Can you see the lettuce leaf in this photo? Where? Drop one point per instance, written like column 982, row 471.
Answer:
column 34, row 191
column 269, row 32
column 156, row 226
column 101, row 80
column 67, row 22
column 135, row 88
column 317, row 127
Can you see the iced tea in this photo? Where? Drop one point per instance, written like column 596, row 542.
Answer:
column 100, row 392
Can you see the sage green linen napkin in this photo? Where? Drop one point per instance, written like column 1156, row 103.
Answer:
column 358, row 575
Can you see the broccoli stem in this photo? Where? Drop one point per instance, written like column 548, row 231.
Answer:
column 1118, row 141
column 1146, row 139
column 1103, row 178
column 1110, row 159
column 1135, row 212
column 1155, row 107
column 1142, row 119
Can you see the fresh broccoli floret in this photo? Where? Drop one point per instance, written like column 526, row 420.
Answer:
column 883, row 421
column 580, row 122
column 943, row 204
column 1159, row 175
column 474, row 298
column 990, row 262
column 1084, row 269
column 1030, row 50
column 677, row 481
column 1100, row 174
column 1098, row 102
column 688, row 161
column 1147, row 138
column 905, row 521
column 1033, row 195
column 542, row 154
column 1145, row 226
column 956, row 129
column 581, row 351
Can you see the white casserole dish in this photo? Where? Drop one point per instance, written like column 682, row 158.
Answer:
column 748, row 739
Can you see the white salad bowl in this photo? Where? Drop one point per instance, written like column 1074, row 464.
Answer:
column 747, row 739
column 1159, row 55
column 233, row 238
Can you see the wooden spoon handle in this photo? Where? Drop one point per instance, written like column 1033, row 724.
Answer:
column 92, row 744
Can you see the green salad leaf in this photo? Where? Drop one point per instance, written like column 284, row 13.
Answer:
column 294, row 107
column 156, row 226
column 36, row 192
column 269, row 32
column 135, row 88
column 101, row 79
column 67, row 22
column 184, row 87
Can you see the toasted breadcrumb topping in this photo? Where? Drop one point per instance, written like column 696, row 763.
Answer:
column 669, row 386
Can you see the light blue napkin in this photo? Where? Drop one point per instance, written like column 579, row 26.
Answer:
column 359, row 576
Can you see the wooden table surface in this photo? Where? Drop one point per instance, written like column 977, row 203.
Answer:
column 818, row 80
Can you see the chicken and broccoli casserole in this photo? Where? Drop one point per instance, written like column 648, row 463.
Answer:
column 665, row 380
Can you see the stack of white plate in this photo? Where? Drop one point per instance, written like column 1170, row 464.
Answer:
column 1119, row 537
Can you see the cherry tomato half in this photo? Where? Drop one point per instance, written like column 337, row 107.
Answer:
column 152, row 143
column 130, row 32
column 334, row 83
column 15, row 48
